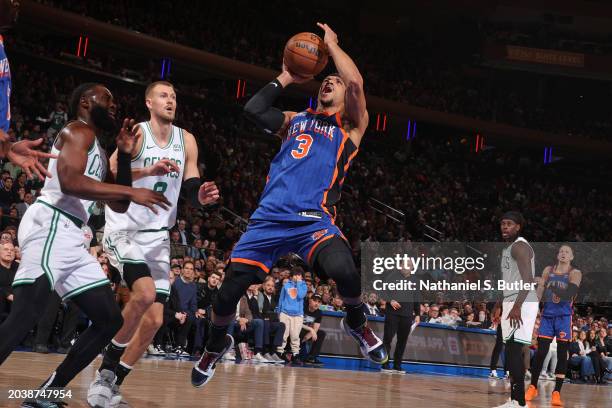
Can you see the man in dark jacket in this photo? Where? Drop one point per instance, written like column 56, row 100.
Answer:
column 273, row 328
column 398, row 321
column 207, row 292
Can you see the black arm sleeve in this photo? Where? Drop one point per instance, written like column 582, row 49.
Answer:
column 567, row 293
column 260, row 111
column 124, row 169
column 190, row 190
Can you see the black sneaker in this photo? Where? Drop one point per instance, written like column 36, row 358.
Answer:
column 204, row 369
column 314, row 361
column 370, row 345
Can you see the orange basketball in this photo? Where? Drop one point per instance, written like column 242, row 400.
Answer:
column 305, row 54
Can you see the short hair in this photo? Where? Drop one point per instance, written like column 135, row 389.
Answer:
column 152, row 85
column 219, row 274
column 77, row 94
column 515, row 216
column 189, row 262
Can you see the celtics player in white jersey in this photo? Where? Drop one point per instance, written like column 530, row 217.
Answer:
column 520, row 303
column 53, row 253
column 137, row 242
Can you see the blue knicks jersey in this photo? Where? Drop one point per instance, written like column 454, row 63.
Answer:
column 553, row 305
column 5, row 89
column 307, row 174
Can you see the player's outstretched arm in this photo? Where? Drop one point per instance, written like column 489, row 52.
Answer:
column 355, row 102
column 160, row 168
column 196, row 192
column 71, row 162
column 24, row 155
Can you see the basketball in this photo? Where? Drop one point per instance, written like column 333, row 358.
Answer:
column 305, row 54
column 8, row 14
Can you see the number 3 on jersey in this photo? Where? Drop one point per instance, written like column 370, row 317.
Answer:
column 303, row 148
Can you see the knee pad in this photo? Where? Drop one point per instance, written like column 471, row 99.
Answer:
column 562, row 351
column 133, row 272
column 335, row 261
column 234, row 286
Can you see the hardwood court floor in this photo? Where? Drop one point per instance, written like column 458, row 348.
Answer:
column 165, row 383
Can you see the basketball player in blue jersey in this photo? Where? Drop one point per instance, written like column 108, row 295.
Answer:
column 21, row 153
column 559, row 285
column 298, row 205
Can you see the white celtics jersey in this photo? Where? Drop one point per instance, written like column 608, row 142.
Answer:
column 51, row 192
column 138, row 217
column 511, row 273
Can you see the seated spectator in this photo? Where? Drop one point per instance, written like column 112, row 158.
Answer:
column 174, row 320
column 206, row 294
column 273, row 328
column 370, row 307
column 291, row 309
column 338, row 304
column 311, row 331
column 424, row 312
column 7, row 195
column 470, row 322
column 188, row 301
column 578, row 355
column 246, row 325
column 603, row 348
column 8, row 268
column 197, row 251
column 434, row 314
column 591, row 352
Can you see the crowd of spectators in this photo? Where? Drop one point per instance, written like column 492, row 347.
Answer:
column 432, row 71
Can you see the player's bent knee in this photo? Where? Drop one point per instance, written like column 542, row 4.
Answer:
column 335, row 261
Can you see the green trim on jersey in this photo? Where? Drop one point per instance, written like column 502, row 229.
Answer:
column 84, row 288
column 24, row 281
column 155, row 140
column 142, row 147
column 76, row 220
column 162, row 291
column 44, row 262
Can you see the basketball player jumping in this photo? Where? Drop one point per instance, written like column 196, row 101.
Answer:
column 137, row 241
column 297, row 207
column 559, row 286
column 51, row 239
column 519, row 307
